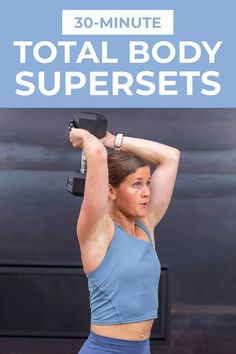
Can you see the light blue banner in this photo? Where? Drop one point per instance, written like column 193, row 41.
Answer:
column 41, row 67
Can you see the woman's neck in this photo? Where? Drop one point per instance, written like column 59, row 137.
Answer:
column 124, row 221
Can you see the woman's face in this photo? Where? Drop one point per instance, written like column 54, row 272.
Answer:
column 133, row 194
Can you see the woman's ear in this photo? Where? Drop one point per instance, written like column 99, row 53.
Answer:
column 111, row 192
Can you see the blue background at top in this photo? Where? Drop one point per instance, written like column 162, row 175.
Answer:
column 193, row 20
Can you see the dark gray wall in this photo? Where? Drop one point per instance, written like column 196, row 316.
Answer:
column 197, row 234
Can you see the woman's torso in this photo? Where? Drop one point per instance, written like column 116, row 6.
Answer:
column 92, row 255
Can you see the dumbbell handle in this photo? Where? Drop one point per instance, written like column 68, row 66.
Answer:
column 83, row 164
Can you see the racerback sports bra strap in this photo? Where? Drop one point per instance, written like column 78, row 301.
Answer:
column 144, row 228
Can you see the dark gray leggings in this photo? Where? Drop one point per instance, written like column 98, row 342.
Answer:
column 97, row 344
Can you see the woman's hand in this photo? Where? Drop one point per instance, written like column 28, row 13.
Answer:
column 77, row 137
column 108, row 140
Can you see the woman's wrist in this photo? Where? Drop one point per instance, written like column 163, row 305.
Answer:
column 108, row 140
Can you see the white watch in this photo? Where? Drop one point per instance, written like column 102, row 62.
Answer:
column 118, row 141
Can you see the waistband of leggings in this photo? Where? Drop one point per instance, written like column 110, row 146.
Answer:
column 127, row 342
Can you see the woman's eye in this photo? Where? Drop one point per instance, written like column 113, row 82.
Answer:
column 137, row 184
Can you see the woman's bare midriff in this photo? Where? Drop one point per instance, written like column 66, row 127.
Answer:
column 130, row 331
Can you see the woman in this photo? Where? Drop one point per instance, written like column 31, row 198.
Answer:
column 122, row 205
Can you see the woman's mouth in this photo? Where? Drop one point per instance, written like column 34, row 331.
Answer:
column 143, row 205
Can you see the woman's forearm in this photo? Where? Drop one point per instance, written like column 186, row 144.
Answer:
column 154, row 152
column 93, row 148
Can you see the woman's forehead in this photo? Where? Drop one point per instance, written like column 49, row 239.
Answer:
column 141, row 172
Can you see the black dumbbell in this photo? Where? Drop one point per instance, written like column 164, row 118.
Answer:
column 96, row 124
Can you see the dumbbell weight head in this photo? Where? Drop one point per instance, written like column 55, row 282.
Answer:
column 75, row 183
column 95, row 123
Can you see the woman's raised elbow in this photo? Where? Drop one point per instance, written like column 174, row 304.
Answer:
column 100, row 152
column 177, row 153
column 175, row 156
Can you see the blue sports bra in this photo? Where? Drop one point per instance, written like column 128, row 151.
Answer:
column 124, row 286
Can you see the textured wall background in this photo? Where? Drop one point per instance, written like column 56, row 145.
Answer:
column 196, row 236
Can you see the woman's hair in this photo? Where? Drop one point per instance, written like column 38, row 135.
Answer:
column 122, row 164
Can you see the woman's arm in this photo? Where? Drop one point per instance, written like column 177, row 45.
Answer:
column 95, row 202
column 166, row 159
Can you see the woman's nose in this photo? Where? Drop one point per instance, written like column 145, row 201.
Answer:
column 146, row 190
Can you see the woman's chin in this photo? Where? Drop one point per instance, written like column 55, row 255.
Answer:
column 143, row 212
